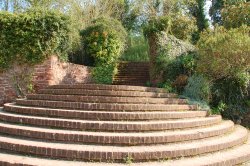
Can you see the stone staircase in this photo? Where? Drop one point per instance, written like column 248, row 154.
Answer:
column 96, row 125
column 132, row 73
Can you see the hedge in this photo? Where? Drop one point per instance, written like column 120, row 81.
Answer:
column 32, row 36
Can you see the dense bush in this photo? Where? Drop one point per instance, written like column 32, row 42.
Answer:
column 157, row 25
column 32, row 36
column 173, row 57
column 198, row 88
column 234, row 16
column 224, row 59
column 183, row 27
column 224, row 53
column 103, row 43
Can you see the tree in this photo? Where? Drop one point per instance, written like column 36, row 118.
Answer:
column 202, row 21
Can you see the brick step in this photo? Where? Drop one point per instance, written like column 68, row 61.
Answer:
column 122, row 126
column 107, row 87
column 103, row 115
column 131, row 77
column 105, row 93
column 116, row 153
column 131, row 80
column 133, row 66
column 230, row 157
column 104, row 99
column 133, row 70
column 105, row 106
column 129, row 83
column 135, row 74
column 123, row 139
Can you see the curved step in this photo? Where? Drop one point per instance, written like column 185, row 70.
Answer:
column 230, row 157
column 105, row 93
column 107, row 87
column 105, row 106
column 116, row 153
column 123, row 126
column 103, row 115
column 116, row 138
column 105, row 99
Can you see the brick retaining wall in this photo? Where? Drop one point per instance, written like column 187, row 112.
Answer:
column 20, row 80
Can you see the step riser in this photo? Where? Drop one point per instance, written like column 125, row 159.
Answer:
column 100, row 99
column 105, row 93
column 91, row 115
column 114, row 140
column 105, row 106
column 118, row 156
column 107, row 87
column 104, row 126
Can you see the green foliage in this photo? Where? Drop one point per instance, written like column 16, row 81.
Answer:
column 202, row 21
column 167, row 86
column 215, row 11
column 234, row 16
column 137, row 50
column 219, row 109
column 224, row 53
column 198, row 88
column 32, row 36
column 104, row 42
column 202, row 104
column 183, row 27
column 157, row 25
column 181, row 65
column 224, row 59
column 103, row 74
column 128, row 160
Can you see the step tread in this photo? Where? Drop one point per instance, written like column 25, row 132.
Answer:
column 228, row 157
column 198, row 130
column 232, row 139
column 105, row 92
column 107, row 87
column 118, row 126
column 199, row 119
column 106, row 106
column 103, row 115
column 105, row 99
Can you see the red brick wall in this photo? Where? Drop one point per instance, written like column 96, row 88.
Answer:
column 19, row 80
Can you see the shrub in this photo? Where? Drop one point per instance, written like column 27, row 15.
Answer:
column 173, row 67
column 32, row 36
column 224, row 59
column 103, row 74
column 224, row 53
column 157, row 25
column 103, row 43
column 198, row 88
column 183, row 27
column 234, row 16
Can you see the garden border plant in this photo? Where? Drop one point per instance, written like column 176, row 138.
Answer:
column 103, row 43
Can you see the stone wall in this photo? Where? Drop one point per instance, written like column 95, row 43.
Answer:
column 20, row 80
